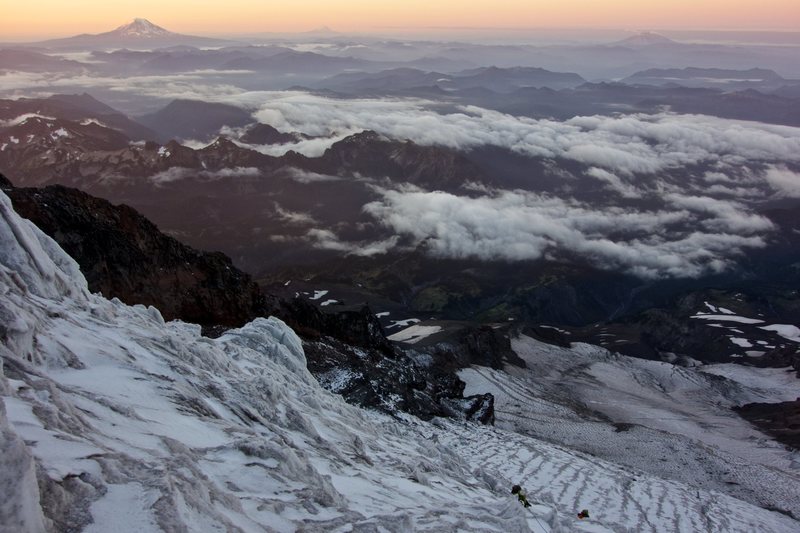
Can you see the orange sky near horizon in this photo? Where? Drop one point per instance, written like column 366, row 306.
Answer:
column 60, row 18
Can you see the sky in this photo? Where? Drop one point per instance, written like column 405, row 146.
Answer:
column 58, row 18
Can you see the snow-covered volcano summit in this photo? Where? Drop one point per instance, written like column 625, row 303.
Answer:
column 141, row 28
column 112, row 420
column 138, row 34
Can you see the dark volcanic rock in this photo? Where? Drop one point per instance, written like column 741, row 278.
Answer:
column 487, row 346
column 348, row 353
column 669, row 332
column 124, row 255
column 393, row 382
column 5, row 185
column 473, row 345
column 547, row 334
column 781, row 420
column 479, row 407
column 355, row 325
column 778, row 358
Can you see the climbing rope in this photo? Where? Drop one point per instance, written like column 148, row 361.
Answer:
column 537, row 520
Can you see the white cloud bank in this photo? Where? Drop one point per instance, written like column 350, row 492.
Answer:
column 690, row 232
column 624, row 145
column 689, row 237
column 785, row 182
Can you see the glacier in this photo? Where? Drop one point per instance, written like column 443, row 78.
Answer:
column 112, row 419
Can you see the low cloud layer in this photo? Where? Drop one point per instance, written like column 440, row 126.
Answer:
column 697, row 221
column 181, row 173
column 689, row 237
column 784, row 181
column 623, row 145
column 325, row 239
column 694, row 178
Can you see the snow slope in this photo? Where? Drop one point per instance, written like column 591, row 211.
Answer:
column 665, row 420
column 112, row 420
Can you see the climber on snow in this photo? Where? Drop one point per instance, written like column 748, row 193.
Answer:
column 516, row 489
column 583, row 514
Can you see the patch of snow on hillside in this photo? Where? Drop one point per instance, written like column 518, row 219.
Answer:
column 403, row 323
column 742, row 343
column 88, row 121
column 786, row 331
column 414, row 334
column 562, row 331
column 730, row 318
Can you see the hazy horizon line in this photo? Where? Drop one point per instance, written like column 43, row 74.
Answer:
column 437, row 28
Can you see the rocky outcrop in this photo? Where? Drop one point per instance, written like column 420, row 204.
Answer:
column 549, row 335
column 664, row 331
column 393, row 382
column 778, row 358
column 780, row 420
column 124, row 255
column 347, row 351
column 354, row 325
column 481, row 345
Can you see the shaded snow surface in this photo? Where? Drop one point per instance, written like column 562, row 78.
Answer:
column 652, row 417
column 136, row 425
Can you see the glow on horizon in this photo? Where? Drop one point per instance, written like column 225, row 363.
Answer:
column 25, row 20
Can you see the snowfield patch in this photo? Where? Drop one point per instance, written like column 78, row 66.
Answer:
column 786, row 331
column 414, row 334
column 730, row 318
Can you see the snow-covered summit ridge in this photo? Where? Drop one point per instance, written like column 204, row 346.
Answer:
column 140, row 27
column 113, row 420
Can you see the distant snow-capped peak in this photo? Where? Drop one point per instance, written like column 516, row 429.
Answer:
column 141, row 28
column 646, row 38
